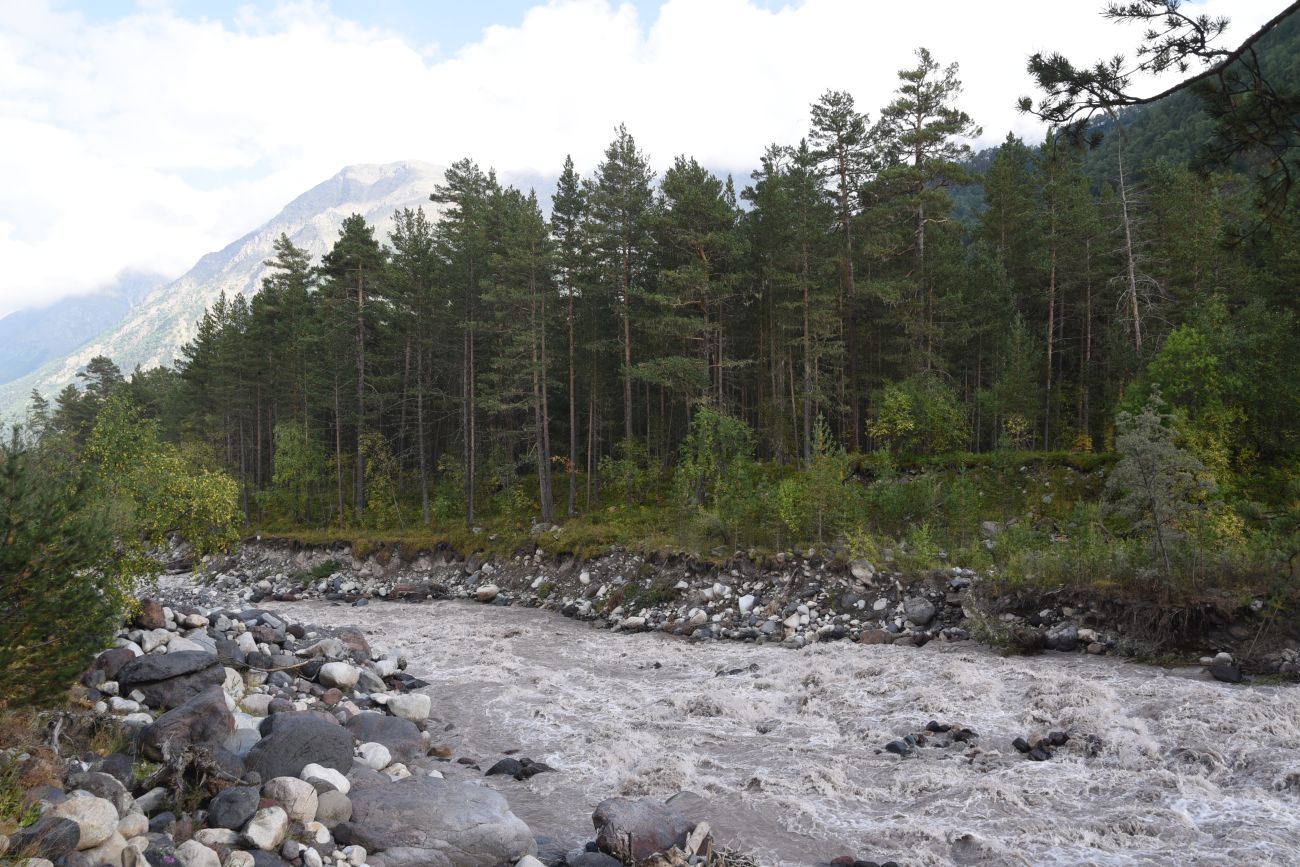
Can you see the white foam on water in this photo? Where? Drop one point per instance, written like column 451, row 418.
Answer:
column 1190, row 771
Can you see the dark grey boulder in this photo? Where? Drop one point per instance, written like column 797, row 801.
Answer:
column 292, row 746
column 437, row 823
column 400, row 735
column 120, row 767
column 1063, row 637
column 171, row 679
column 111, row 662
column 919, row 610
column 49, row 837
column 202, row 720
column 279, row 721
column 594, row 859
column 633, row 829
column 163, row 666
column 1226, row 672
column 232, row 807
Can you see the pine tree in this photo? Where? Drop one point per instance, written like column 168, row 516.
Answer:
column 840, row 144
column 572, row 268
column 353, row 272
column 620, row 215
column 462, row 244
column 919, row 135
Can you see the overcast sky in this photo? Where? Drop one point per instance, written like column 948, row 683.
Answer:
column 145, row 134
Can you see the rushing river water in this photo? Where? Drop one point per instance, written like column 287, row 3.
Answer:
column 1191, row 771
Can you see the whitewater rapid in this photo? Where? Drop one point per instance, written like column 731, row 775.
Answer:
column 1191, row 771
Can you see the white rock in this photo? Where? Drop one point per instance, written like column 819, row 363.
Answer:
column 240, row 858
column 267, row 828
column 257, row 703
column 311, row 858
column 133, row 825
column 95, row 817
column 355, row 855
column 135, row 649
column 109, row 687
column 584, row 577
column 152, row 639
column 881, row 604
column 315, row 832
column 374, row 755
column 386, row 667
column 746, row 603
column 123, row 705
column 414, row 706
column 339, row 674
column 108, row 852
column 314, row 771
column 233, row 684
column 487, row 592
column 192, row 853
column 217, row 837
column 529, row 861
column 298, row 797
column 246, row 642
column 180, row 642
column 194, row 621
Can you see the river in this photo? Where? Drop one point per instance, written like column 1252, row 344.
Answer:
column 1190, row 772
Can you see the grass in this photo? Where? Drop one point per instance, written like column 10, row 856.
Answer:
column 26, row 761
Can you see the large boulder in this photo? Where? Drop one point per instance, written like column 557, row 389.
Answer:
column 633, row 829
column 400, row 735
column 298, row 797
column 233, row 807
column 171, row 679
column 297, row 742
column 267, row 829
column 342, row 675
column 111, row 661
column 203, row 719
column 150, row 615
column 919, row 610
column 428, row 822
column 96, row 818
column 413, row 706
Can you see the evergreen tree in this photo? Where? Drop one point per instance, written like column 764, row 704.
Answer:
column 919, row 134
column 620, row 212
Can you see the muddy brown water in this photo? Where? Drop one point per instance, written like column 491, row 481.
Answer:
column 1191, row 771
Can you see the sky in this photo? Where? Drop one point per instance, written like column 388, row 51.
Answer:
column 141, row 134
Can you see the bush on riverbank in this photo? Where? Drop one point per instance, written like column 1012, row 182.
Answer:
column 78, row 520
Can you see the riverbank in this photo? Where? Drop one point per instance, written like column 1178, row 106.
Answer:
column 793, row 599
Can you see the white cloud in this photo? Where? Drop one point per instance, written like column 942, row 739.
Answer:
column 116, row 134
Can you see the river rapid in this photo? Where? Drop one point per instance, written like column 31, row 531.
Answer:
column 789, row 753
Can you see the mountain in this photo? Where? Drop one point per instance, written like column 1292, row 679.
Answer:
column 29, row 338
column 153, row 331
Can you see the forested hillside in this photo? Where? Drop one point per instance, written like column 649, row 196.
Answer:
column 750, row 361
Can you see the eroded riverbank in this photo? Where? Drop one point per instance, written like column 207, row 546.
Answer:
column 1191, row 771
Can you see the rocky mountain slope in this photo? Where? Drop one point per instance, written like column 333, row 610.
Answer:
column 29, row 338
column 162, row 322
